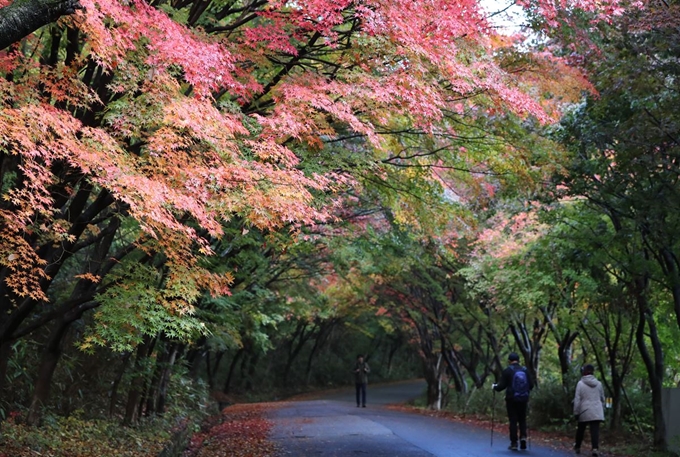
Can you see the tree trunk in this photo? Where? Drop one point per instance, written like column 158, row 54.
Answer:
column 194, row 359
column 454, row 369
column 433, row 376
column 619, row 371
column 212, row 367
column 654, row 363
column 564, row 348
column 138, row 381
column 50, row 358
column 300, row 337
column 5, row 353
column 195, row 356
column 48, row 363
column 325, row 331
column 671, row 269
column 208, row 370
column 252, row 364
column 390, row 357
column 165, row 379
column 565, row 339
column 617, row 410
column 154, row 385
column 530, row 343
column 114, row 388
column 232, row 369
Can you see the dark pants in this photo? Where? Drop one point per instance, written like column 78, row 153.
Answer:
column 517, row 414
column 594, row 433
column 361, row 393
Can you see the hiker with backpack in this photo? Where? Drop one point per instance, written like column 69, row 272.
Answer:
column 516, row 382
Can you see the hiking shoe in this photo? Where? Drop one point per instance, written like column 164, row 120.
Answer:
column 577, row 450
column 594, row 453
column 513, row 446
column 522, row 444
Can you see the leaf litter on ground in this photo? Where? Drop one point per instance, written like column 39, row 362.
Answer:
column 241, row 430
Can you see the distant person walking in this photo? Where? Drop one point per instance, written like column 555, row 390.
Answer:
column 517, row 384
column 361, row 370
column 588, row 408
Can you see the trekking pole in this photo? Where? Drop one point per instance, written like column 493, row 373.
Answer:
column 493, row 414
column 528, row 437
column 527, row 419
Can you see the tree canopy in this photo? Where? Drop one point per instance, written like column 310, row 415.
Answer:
column 191, row 182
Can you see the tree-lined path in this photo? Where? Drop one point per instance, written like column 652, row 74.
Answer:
column 333, row 426
column 222, row 202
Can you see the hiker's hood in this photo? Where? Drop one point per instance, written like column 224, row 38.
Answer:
column 590, row 380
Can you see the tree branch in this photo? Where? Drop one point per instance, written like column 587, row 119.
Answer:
column 23, row 17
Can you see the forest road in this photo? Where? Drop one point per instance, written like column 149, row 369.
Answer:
column 332, row 425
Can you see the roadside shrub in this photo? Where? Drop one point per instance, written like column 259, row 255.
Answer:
column 77, row 437
column 82, row 435
column 480, row 403
column 477, row 402
column 637, row 412
column 550, row 406
column 188, row 396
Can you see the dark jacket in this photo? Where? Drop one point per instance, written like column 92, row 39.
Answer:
column 361, row 371
column 506, row 380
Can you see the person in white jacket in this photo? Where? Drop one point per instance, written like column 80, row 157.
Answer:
column 588, row 408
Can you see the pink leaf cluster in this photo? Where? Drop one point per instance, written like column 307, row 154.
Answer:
column 207, row 64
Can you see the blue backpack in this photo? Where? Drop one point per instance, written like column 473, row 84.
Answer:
column 520, row 385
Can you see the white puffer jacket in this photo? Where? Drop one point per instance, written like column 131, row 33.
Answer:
column 589, row 399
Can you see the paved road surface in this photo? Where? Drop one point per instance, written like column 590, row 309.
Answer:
column 332, row 425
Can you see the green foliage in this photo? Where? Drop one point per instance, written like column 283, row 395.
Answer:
column 476, row 402
column 133, row 306
column 551, row 406
column 79, row 434
column 8, row 181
